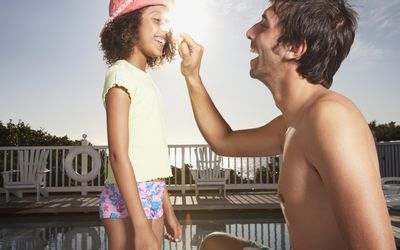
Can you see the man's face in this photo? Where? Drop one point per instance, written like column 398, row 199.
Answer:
column 263, row 36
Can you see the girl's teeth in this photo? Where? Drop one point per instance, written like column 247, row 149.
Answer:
column 160, row 40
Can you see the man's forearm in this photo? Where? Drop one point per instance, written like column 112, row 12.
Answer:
column 212, row 125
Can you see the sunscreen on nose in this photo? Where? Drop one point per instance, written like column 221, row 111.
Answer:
column 165, row 26
column 176, row 37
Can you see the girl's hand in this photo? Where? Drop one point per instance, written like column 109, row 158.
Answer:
column 146, row 241
column 173, row 228
column 191, row 54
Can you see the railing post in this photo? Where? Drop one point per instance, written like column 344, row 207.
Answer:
column 183, row 185
column 280, row 167
column 84, row 160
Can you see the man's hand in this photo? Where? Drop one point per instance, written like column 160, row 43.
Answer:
column 191, row 54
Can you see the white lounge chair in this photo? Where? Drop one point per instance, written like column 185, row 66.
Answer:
column 391, row 190
column 30, row 173
column 209, row 173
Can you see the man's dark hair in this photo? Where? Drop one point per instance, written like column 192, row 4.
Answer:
column 326, row 26
column 119, row 36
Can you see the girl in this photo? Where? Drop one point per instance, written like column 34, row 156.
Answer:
column 134, row 203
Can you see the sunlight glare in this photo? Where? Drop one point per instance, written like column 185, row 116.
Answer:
column 191, row 17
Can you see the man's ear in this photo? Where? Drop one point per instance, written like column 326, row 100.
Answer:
column 295, row 52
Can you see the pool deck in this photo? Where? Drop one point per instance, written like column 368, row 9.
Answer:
column 73, row 204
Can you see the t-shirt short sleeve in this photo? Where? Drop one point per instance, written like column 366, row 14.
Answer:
column 118, row 77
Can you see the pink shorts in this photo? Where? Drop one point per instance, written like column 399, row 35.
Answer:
column 112, row 205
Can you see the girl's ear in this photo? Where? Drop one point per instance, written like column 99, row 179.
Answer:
column 295, row 52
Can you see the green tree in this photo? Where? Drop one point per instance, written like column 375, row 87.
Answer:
column 385, row 132
column 21, row 134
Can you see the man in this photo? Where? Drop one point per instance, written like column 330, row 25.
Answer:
column 329, row 183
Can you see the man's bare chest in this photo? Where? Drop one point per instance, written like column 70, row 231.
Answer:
column 296, row 176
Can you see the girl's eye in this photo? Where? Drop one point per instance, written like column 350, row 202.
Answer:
column 157, row 20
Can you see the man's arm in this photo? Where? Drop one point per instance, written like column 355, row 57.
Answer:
column 340, row 146
column 263, row 141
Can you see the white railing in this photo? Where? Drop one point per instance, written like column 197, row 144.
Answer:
column 389, row 158
column 246, row 173
column 57, row 179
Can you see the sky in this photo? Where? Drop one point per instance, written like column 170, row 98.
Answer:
column 52, row 71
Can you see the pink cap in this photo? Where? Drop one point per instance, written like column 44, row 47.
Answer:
column 120, row 7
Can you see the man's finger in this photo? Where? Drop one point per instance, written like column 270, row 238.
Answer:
column 184, row 51
column 188, row 39
column 180, row 52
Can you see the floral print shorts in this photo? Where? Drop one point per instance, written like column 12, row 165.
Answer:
column 151, row 194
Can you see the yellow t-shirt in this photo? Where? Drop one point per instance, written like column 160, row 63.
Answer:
column 148, row 150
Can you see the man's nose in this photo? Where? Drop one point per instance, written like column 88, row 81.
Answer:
column 250, row 33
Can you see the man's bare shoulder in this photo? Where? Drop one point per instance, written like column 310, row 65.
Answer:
column 332, row 124
column 332, row 108
column 331, row 120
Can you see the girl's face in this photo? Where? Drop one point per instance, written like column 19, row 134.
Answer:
column 153, row 31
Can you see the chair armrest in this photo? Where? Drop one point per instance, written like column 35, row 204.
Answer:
column 388, row 180
column 390, row 185
column 9, row 172
column 391, row 188
column 43, row 173
column 7, row 175
column 194, row 174
column 227, row 171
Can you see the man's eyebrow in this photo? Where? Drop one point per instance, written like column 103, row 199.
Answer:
column 264, row 16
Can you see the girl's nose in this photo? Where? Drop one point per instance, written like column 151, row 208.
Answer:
column 165, row 26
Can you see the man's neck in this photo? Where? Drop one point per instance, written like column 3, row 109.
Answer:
column 293, row 97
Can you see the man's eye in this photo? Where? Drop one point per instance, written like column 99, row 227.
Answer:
column 265, row 26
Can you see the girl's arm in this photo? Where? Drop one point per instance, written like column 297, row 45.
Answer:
column 117, row 106
column 172, row 225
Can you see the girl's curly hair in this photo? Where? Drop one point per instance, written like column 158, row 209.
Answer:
column 119, row 36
